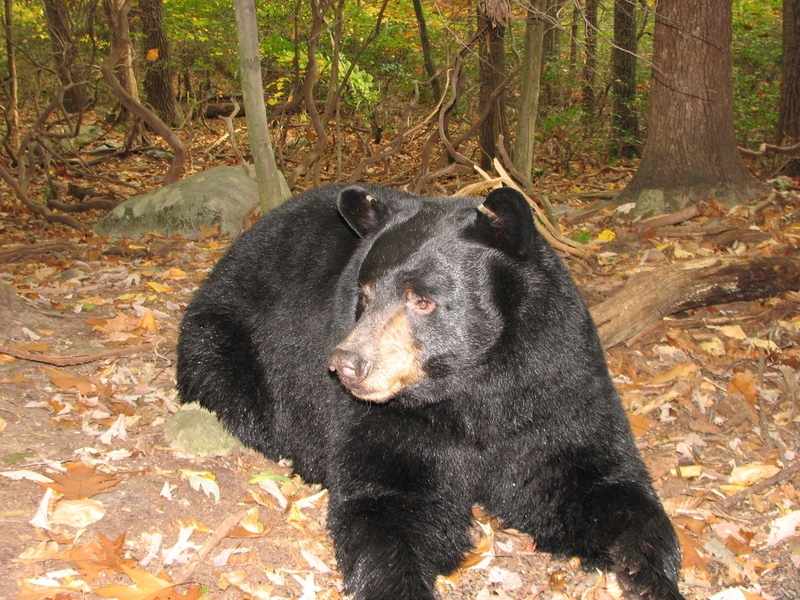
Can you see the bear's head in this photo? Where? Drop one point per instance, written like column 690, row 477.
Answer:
column 427, row 302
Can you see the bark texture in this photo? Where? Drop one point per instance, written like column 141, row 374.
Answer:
column 65, row 54
column 788, row 128
column 691, row 153
column 625, row 121
column 158, row 71
column 492, row 15
column 651, row 295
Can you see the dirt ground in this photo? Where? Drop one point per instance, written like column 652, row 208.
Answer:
column 715, row 418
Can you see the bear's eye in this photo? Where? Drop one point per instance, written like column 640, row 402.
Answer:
column 420, row 304
column 363, row 302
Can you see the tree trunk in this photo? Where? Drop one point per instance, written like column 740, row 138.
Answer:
column 119, row 36
column 134, row 106
column 651, row 295
column 623, row 70
column 551, row 50
column 272, row 187
column 590, row 66
column 691, row 153
column 529, row 97
column 427, row 58
column 492, row 15
column 12, row 114
column 158, row 71
column 65, row 54
column 788, row 129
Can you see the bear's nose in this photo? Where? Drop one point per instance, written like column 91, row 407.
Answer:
column 351, row 368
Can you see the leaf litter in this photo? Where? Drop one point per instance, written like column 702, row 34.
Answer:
column 94, row 498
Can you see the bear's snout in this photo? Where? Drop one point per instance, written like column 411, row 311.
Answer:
column 351, row 367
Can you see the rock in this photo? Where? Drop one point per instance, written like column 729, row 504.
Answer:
column 221, row 195
column 194, row 430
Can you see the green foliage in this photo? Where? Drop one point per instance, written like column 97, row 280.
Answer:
column 756, row 68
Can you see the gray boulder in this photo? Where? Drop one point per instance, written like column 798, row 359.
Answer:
column 221, row 195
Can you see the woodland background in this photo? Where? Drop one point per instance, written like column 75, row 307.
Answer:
column 698, row 307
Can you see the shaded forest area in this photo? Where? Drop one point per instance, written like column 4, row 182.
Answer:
column 657, row 145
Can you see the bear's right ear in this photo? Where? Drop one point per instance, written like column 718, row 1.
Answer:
column 505, row 221
column 366, row 214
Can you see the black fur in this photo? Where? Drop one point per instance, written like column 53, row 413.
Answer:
column 514, row 410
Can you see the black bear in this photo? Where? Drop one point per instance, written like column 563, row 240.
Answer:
column 418, row 356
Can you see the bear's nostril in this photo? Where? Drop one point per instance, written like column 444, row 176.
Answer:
column 351, row 368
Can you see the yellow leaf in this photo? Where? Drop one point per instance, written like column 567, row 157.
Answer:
column 606, row 235
column 175, row 273
column 714, row 347
column 680, row 253
column 188, row 473
column 159, row 287
column 686, row 471
column 151, row 55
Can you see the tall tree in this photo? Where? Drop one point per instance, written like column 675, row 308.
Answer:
column 427, row 58
column 119, row 37
column 69, row 69
column 535, row 27
column 625, row 121
column 551, row 49
column 492, row 17
column 12, row 113
column 788, row 128
column 590, row 64
column 691, row 152
column 272, row 187
column 158, row 70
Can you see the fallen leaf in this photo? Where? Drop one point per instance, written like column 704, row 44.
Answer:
column 782, row 528
column 691, row 557
column 78, row 513
column 146, row 586
column 639, row 424
column 676, row 372
column 732, row 331
column 314, row 562
column 40, row 518
column 81, row 481
column 29, row 475
column 208, row 486
column 746, row 384
column 752, row 473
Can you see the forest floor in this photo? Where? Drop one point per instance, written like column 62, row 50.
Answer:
column 95, row 500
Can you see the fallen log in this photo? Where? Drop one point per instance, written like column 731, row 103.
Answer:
column 648, row 296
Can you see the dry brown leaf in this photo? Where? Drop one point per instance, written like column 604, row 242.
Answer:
column 639, row 424
column 147, row 586
column 746, row 384
column 81, row 481
column 691, row 557
column 676, row 372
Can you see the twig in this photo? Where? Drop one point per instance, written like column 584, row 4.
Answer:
column 759, row 487
column 224, row 529
column 25, row 251
column 234, row 144
column 74, row 359
column 685, row 214
column 764, row 148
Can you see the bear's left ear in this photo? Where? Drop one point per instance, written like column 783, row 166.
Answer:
column 366, row 214
column 505, row 221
